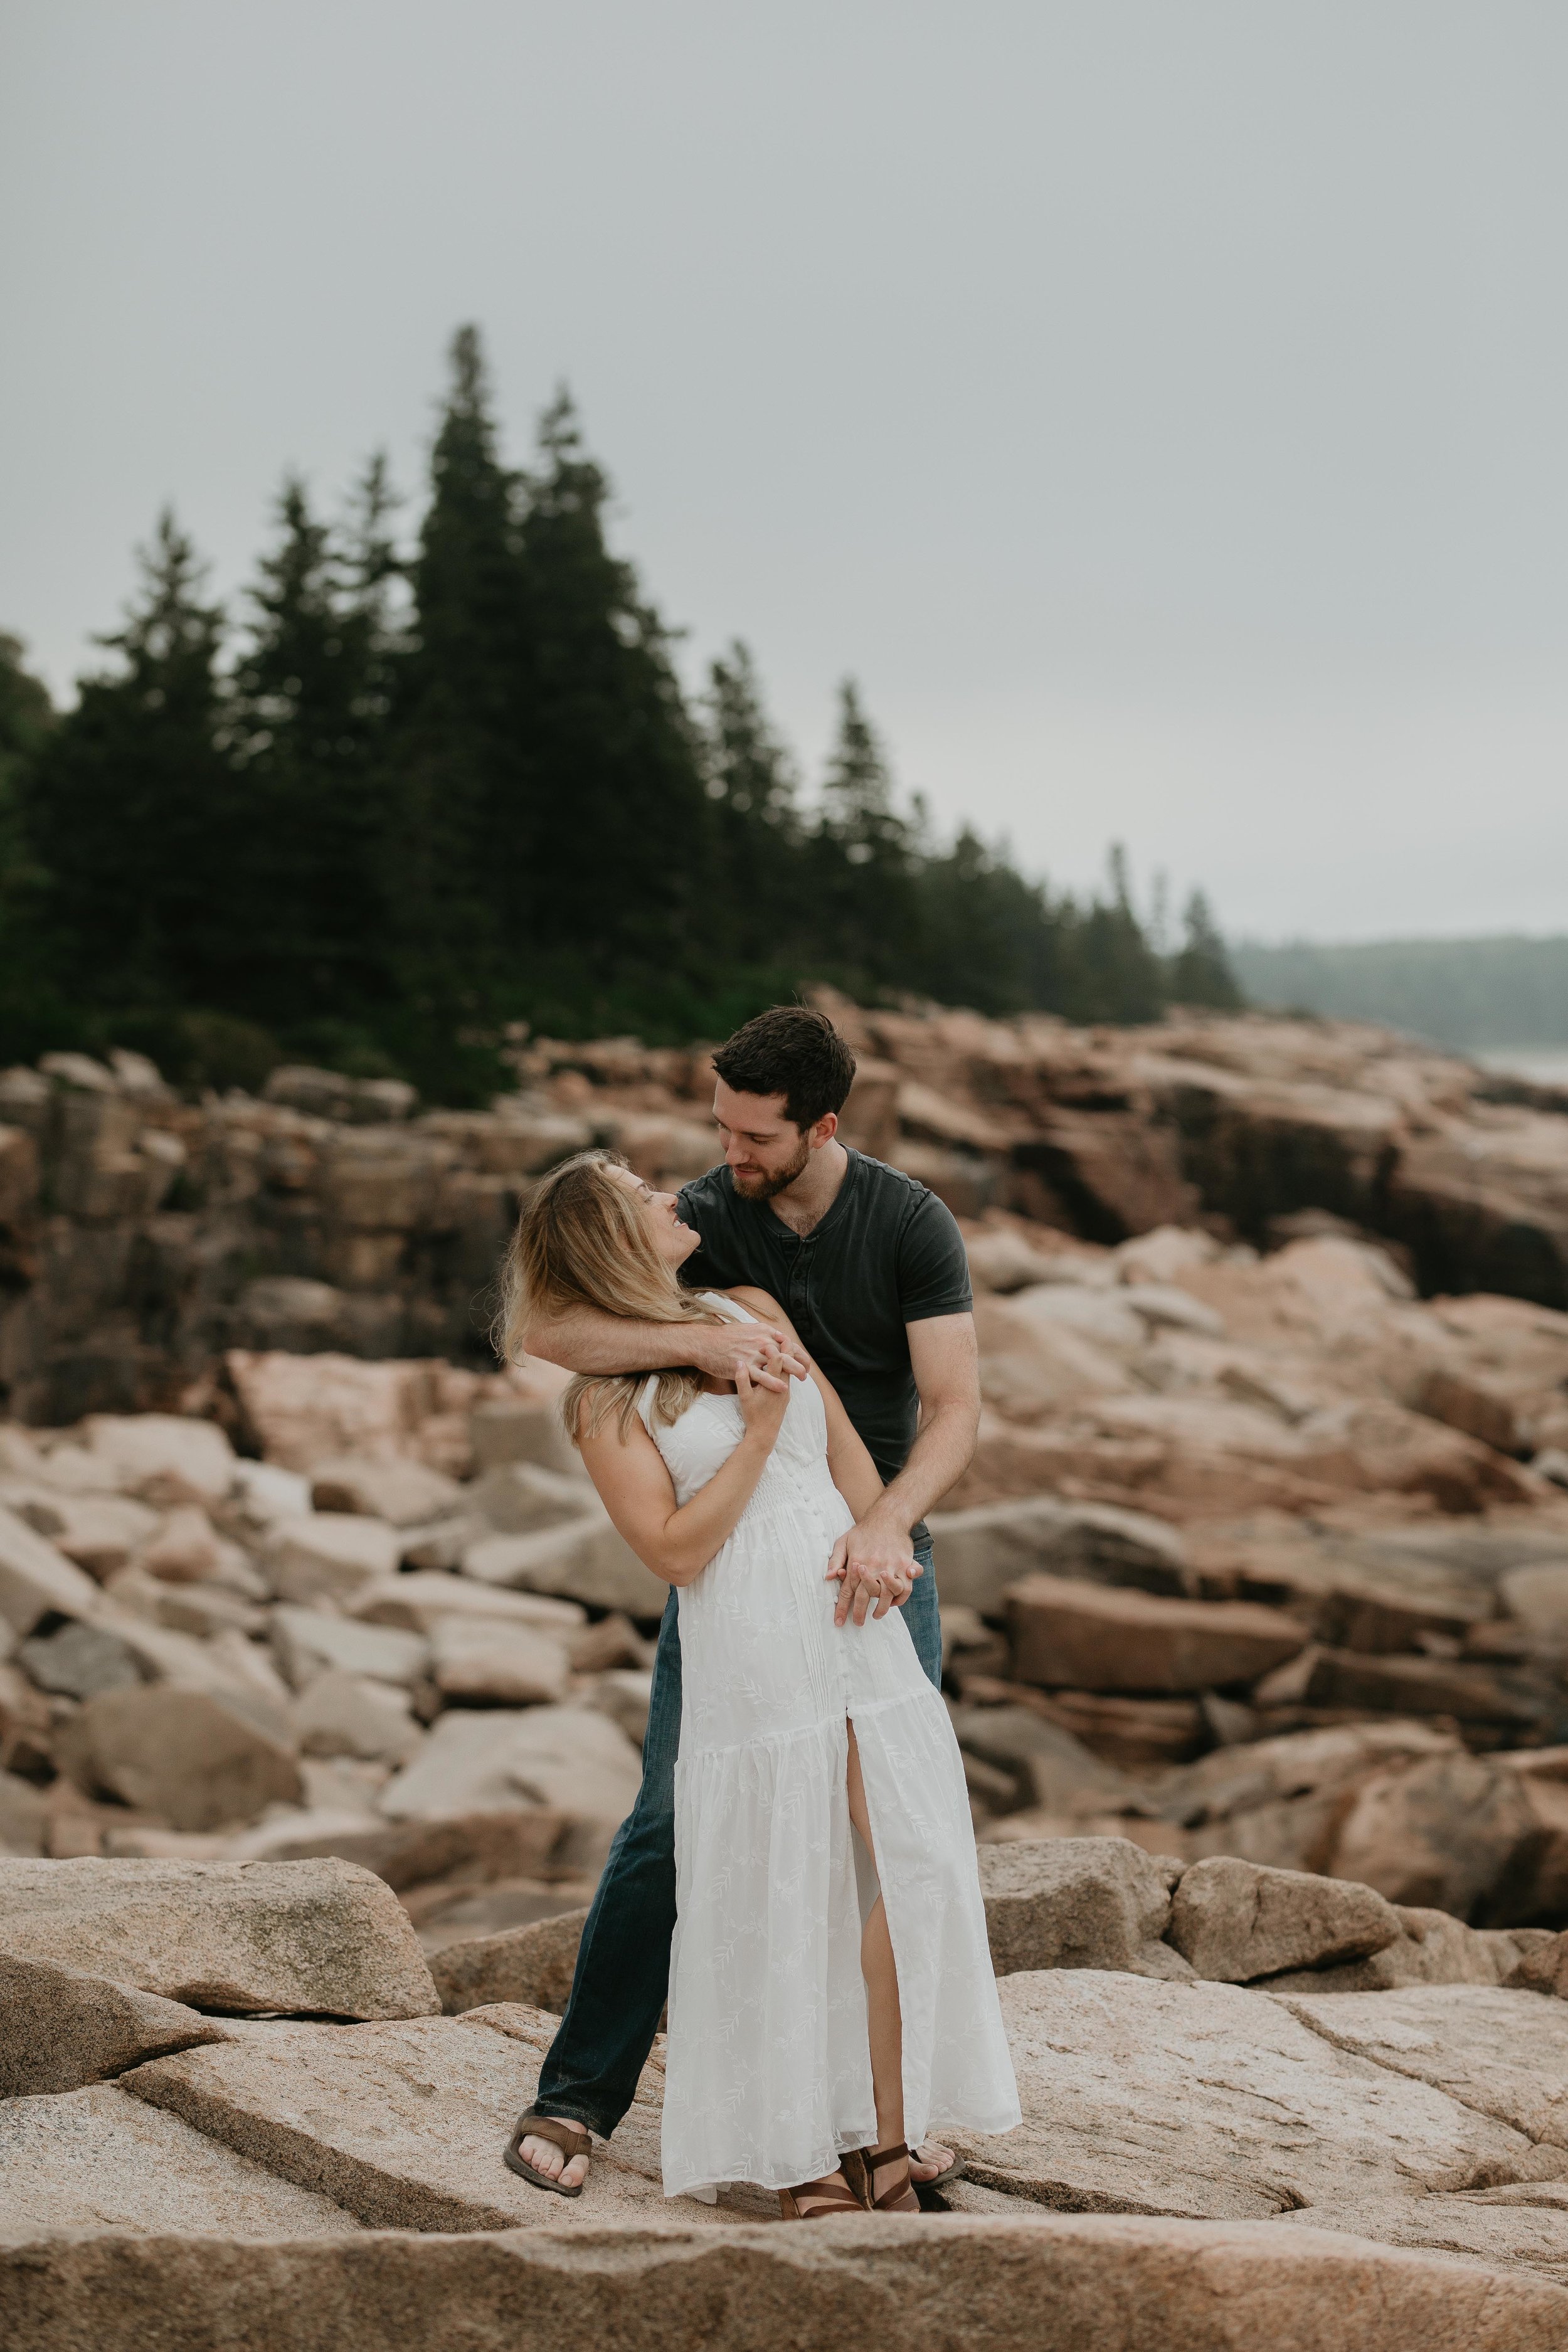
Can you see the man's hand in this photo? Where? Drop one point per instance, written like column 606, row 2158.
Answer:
column 875, row 1568
column 766, row 1355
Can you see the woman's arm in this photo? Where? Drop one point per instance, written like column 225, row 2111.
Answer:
column 677, row 1541
column 854, row 1472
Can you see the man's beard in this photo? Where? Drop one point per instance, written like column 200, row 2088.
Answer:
column 765, row 1187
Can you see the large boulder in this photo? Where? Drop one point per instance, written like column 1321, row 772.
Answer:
column 330, row 1555
column 1438, row 1832
column 404, row 1492
column 518, row 1498
column 1234, row 1921
column 1077, row 1903
column 318, row 1937
column 1460, row 1688
column 97, row 2168
column 420, row 1599
column 583, row 1559
column 310, row 1641
column 196, row 1758
column 1432, row 1947
column 1543, row 1967
column 166, row 1459
column 1091, row 1637
column 98, row 1532
column 341, row 1714
column 475, row 1659
column 77, row 1661
column 465, row 1849
column 60, row 2028
column 533, row 1964
column 982, row 1551
column 36, row 1579
column 569, row 1759
column 403, row 2123
column 1502, row 2053
column 1057, row 1773
column 522, row 1429
column 1213, row 2102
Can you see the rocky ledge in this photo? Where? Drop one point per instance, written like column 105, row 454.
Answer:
column 142, row 1237
column 1200, row 2157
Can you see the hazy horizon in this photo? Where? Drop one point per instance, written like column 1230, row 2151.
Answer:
column 1159, row 413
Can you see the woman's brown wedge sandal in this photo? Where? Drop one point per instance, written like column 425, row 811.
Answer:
column 818, row 2201
column 899, row 2197
column 570, row 2138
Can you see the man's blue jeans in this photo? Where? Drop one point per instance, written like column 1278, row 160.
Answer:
column 623, row 1960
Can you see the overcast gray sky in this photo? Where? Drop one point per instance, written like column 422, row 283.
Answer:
column 1160, row 406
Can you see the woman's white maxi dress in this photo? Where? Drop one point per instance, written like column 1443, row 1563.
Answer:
column 768, row 2074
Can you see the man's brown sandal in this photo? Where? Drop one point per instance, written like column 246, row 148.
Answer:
column 899, row 2197
column 570, row 2138
column 954, row 2171
column 819, row 2201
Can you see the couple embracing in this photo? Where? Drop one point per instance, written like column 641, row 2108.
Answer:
column 774, row 1379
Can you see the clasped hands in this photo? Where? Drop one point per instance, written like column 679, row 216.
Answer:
column 874, row 1564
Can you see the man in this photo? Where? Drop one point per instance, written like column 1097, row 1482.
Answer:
column 870, row 1269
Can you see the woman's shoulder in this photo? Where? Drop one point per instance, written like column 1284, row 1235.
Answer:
column 758, row 1303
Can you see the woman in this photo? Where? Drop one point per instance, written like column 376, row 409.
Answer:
column 830, row 1980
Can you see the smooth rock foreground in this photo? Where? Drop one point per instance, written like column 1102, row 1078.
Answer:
column 288, row 2183
column 1063, row 2284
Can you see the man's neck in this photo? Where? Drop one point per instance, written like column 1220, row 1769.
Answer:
column 805, row 1203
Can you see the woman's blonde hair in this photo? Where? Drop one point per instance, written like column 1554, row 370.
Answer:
column 582, row 1241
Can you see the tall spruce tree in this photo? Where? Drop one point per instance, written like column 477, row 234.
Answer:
column 1109, row 970
column 761, row 878
column 132, row 809
column 35, row 1013
column 615, row 846
column 1199, row 971
column 868, row 900
column 306, row 721
column 990, row 940
column 457, row 853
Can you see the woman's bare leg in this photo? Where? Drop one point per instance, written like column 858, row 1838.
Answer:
column 881, row 1975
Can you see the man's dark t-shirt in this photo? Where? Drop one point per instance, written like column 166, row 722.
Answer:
column 888, row 1252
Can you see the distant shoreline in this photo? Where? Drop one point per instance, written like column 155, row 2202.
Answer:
column 1545, row 1066
column 1504, row 1002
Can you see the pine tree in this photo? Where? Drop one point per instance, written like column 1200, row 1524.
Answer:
column 1111, row 972
column 459, row 849
column 868, row 900
column 761, row 878
column 306, row 720
column 132, row 810
column 27, row 715
column 615, row 843
column 990, row 940
column 35, row 1012
column 1200, row 973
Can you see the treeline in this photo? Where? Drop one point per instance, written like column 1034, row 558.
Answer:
column 412, row 800
column 1458, row 992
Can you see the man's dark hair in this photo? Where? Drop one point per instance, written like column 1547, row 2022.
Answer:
column 791, row 1051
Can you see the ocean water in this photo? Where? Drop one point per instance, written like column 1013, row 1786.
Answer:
column 1547, row 1065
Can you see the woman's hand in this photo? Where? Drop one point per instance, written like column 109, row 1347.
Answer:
column 719, row 1348
column 764, row 1401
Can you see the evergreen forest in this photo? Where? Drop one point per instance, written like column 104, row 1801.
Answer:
column 407, row 797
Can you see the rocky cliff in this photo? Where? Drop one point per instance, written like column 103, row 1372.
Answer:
column 142, row 1237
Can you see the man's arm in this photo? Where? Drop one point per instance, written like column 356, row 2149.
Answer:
column 587, row 1341
column 945, row 1357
